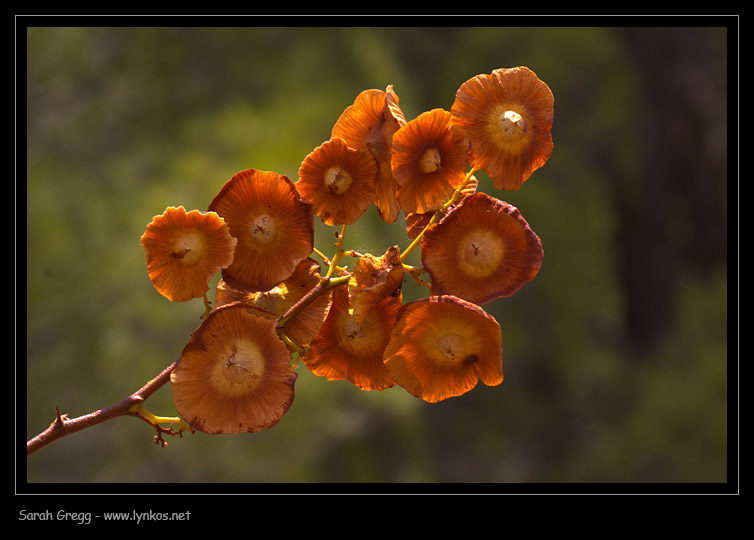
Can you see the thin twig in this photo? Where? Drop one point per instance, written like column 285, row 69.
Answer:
column 324, row 285
column 63, row 426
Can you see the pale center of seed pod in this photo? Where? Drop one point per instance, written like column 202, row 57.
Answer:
column 360, row 337
column 452, row 348
column 480, row 253
column 430, row 161
column 337, row 180
column 189, row 248
column 511, row 124
column 263, row 229
column 354, row 332
column 241, row 369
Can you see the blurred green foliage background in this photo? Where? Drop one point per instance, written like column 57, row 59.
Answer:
column 615, row 356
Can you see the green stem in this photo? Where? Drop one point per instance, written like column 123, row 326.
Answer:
column 438, row 215
column 207, row 307
column 338, row 252
column 288, row 341
column 138, row 409
column 322, row 256
column 325, row 284
column 415, row 272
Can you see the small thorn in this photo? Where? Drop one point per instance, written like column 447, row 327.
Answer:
column 60, row 418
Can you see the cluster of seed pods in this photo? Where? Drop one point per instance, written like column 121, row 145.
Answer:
column 276, row 304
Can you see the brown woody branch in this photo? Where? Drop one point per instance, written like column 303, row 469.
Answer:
column 63, row 426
